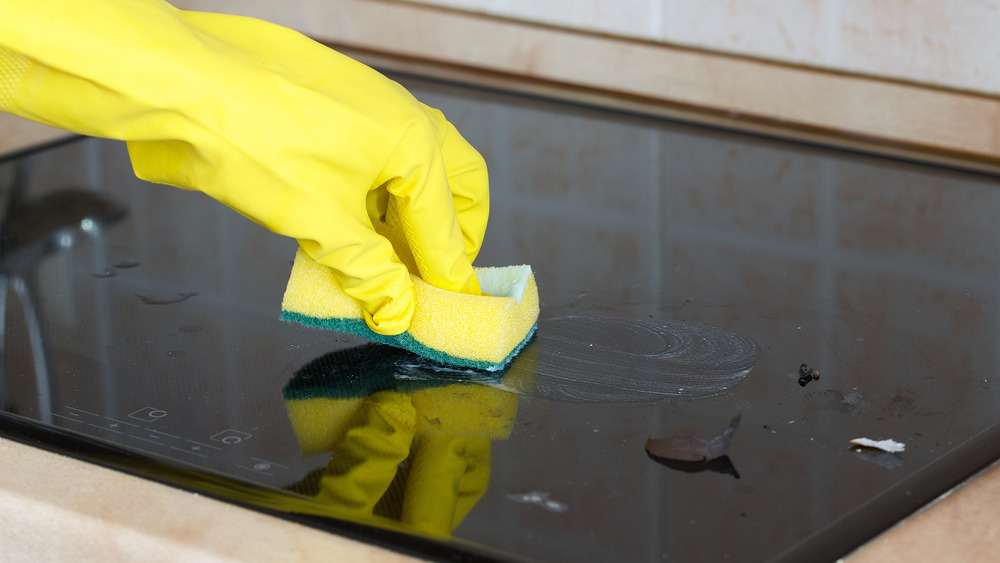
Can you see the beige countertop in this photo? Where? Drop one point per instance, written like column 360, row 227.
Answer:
column 17, row 133
column 54, row 508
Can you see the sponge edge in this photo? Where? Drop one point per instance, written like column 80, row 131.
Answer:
column 476, row 331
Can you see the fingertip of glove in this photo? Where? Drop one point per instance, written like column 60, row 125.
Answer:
column 392, row 317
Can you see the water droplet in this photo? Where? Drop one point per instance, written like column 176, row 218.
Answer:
column 107, row 273
column 154, row 300
column 127, row 263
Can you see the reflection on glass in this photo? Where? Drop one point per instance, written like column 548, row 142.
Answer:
column 32, row 228
column 404, row 446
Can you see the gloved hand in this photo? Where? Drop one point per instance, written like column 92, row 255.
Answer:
column 291, row 134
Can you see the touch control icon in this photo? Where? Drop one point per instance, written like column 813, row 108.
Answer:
column 231, row 437
column 148, row 414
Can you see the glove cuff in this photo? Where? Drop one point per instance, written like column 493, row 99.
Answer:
column 13, row 68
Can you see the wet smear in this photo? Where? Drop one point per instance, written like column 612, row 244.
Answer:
column 883, row 459
column 597, row 359
column 153, row 300
column 856, row 404
column 539, row 498
column 190, row 329
column 901, row 403
column 124, row 264
column 107, row 273
column 852, row 403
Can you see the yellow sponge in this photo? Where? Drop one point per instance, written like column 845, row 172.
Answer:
column 477, row 331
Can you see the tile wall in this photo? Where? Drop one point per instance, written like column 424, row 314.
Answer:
column 945, row 43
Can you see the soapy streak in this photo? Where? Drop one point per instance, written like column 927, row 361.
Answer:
column 604, row 360
column 539, row 498
column 595, row 359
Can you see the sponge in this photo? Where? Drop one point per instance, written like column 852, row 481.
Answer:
column 474, row 331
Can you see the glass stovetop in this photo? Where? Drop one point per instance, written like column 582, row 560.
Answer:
column 141, row 331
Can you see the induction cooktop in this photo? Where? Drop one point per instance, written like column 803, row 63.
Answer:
column 759, row 302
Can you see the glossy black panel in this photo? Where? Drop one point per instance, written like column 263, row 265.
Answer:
column 140, row 329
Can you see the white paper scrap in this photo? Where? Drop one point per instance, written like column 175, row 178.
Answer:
column 890, row 446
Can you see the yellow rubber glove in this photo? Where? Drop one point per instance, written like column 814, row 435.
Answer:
column 291, row 134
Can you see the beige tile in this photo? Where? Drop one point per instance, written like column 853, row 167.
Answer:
column 496, row 7
column 952, row 43
column 633, row 18
column 785, row 29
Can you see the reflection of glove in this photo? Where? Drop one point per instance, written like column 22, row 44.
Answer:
column 445, row 476
column 293, row 135
column 448, row 476
column 421, row 457
column 364, row 462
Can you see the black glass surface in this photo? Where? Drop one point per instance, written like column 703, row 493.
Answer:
column 140, row 331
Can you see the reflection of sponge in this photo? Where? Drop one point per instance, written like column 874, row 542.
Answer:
column 477, row 331
column 324, row 395
column 467, row 410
